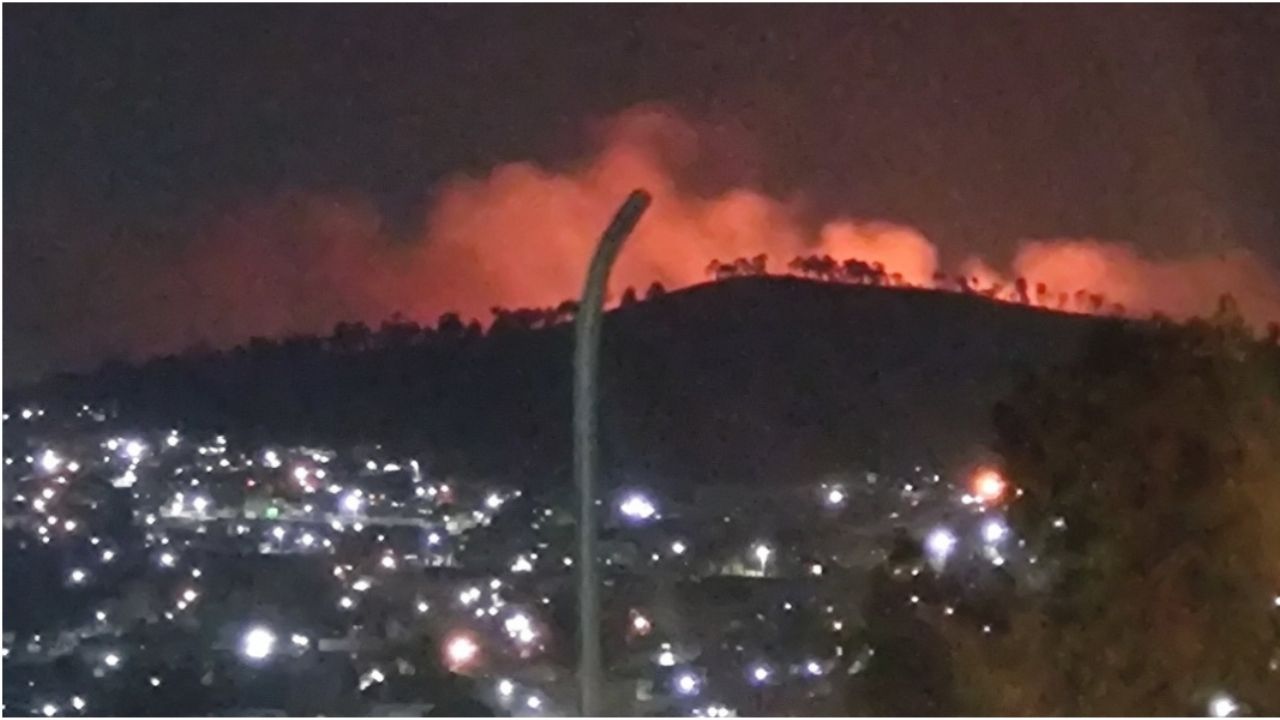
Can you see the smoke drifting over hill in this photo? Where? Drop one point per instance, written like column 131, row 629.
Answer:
column 521, row 236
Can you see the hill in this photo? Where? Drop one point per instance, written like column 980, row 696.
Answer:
column 752, row 379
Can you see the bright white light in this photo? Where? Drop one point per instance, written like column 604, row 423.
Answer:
column 351, row 502
column 939, row 544
column 534, row 702
column 258, row 643
column 100, row 616
column 666, row 658
column 49, row 709
column 1223, row 705
column 360, row 585
column 835, row 496
column 49, row 461
column 277, row 532
column 388, row 562
column 172, row 440
column 468, row 596
column 678, row 547
column 506, row 687
column 300, row 474
column 521, row 565
column 638, row 507
column 134, row 449
column 78, row 576
column 111, row 660
column 493, row 502
column 760, row 673
column 423, row 607
column 516, row 624
column 993, row 531
column 190, row 595
column 155, row 681
column 69, row 525
column 299, row 640
column 815, row 569
column 461, row 650
column 200, row 503
column 640, row 623
column 307, row 539
column 762, row 553
column 26, row 413
column 77, row 702
column 345, row 602
column 687, row 684
column 47, row 493
column 433, row 539
column 813, row 667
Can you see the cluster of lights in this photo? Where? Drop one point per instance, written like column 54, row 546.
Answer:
column 638, row 507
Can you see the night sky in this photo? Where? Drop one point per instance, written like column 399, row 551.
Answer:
column 130, row 131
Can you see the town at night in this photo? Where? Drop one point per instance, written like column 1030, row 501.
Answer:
column 686, row 360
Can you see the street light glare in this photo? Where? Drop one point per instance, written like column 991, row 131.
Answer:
column 258, row 643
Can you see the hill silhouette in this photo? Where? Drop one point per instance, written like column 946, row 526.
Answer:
column 754, row 379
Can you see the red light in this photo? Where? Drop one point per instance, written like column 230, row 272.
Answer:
column 988, row 486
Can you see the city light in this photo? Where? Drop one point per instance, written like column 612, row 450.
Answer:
column 134, row 449
column 111, row 660
column 351, row 502
column 813, row 667
column 988, row 486
column 835, row 497
column 258, row 643
column 666, row 658
column 640, row 624
column 678, row 547
column 49, row 461
column 687, row 684
column 760, row 674
column 638, row 507
column 939, row 545
column 506, row 687
column 993, row 531
column 762, row 553
column 461, row 651
column 1223, row 705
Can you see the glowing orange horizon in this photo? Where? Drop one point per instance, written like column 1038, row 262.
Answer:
column 521, row 236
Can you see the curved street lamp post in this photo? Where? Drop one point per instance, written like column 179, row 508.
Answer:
column 585, row 404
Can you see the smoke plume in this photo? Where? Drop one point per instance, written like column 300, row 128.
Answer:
column 521, row 235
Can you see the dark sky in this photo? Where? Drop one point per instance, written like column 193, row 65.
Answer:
column 126, row 128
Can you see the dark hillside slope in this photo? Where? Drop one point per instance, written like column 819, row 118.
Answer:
column 752, row 379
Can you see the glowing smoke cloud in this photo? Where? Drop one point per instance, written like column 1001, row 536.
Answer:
column 521, row 236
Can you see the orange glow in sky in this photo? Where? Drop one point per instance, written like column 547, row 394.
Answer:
column 988, row 486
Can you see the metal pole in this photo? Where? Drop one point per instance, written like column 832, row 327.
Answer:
column 585, row 353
